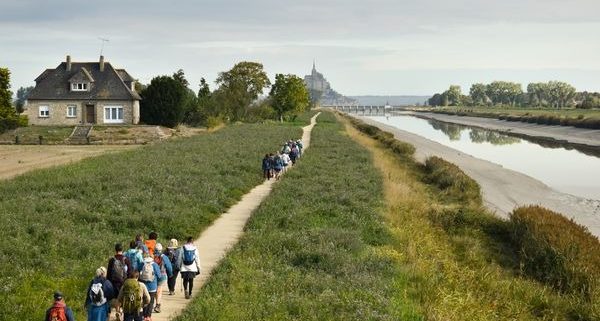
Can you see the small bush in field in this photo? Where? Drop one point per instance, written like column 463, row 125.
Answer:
column 557, row 251
column 452, row 180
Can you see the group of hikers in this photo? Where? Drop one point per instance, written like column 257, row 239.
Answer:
column 133, row 281
column 274, row 164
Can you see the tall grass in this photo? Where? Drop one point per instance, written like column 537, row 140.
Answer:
column 59, row 225
column 316, row 249
column 557, row 251
column 460, row 259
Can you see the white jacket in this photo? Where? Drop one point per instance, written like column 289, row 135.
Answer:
column 194, row 267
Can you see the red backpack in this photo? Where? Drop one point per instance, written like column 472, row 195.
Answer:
column 57, row 312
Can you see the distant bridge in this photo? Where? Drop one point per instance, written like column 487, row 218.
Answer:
column 366, row 110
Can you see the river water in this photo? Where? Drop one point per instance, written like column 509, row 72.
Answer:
column 568, row 171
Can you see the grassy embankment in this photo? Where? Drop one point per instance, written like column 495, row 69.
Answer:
column 582, row 118
column 316, row 249
column 59, row 225
column 467, row 264
column 322, row 246
column 30, row 134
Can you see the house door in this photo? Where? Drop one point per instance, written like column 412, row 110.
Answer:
column 90, row 114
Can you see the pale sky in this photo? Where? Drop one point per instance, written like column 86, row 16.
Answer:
column 379, row 47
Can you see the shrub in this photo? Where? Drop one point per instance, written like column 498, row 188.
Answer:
column 451, row 180
column 557, row 251
column 213, row 121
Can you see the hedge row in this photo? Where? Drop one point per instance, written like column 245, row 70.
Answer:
column 557, row 251
column 386, row 138
column 8, row 123
column 580, row 122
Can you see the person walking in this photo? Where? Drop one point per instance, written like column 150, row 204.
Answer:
column 151, row 242
column 100, row 292
column 59, row 311
column 133, row 296
column 285, row 158
column 173, row 252
column 266, row 167
column 278, row 166
column 149, row 275
column 117, row 269
column 294, row 154
column 139, row 241
column 166, row 270
column 134, row 257
column 300, row 147
column 190, row 266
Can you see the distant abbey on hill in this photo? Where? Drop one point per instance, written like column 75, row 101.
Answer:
column 321, row 91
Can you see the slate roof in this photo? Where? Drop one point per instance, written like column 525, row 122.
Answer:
column 53, row 84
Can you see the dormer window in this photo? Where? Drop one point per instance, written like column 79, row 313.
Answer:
column 79, row 86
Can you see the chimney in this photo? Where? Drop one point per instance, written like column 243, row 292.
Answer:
column 101, row 63
column 68, row 63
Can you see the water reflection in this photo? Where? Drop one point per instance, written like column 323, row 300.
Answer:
column 555, row 164
column 477, row 135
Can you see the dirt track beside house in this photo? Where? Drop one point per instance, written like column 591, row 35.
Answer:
column 16, row 160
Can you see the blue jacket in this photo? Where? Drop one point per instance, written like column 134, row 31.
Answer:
column 107, row 288
column 152, row 285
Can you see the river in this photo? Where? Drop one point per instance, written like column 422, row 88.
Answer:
column 567, row 171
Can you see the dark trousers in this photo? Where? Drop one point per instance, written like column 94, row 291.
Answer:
column 148, row 309
column 188, row 281
column 172, row 280
column 132, row 317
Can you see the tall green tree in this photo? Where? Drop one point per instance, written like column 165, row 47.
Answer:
column 163, row 102
column 239, row 87
column 289, row 95
column 8, row 115
column 504, row 92
column 477, row 93
column 22, row 94
column 5, row 93
column 179, row 75
column 453, row 95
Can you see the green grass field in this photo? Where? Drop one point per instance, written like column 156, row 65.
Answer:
column 30, row 134
column 316, row 249
column 59, row 225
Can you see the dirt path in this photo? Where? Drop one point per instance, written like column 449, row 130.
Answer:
column 19, row 159
column 504, row 189
column 219, row 238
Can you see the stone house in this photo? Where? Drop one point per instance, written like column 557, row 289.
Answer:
column 76, row 93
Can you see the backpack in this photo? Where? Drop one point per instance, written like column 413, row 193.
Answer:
column 118, row 273
column 132, row 300
column 147, row 274
column 57, row 313
column 172, row 257
column 132, row 260
column 161, row 264
column 97, row 294
column 189, row 256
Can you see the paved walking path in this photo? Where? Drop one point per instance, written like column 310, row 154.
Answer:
column 219, row 238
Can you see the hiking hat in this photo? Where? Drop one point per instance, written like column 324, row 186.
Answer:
column 173, row 244
column 58, row 296
column 158, row 248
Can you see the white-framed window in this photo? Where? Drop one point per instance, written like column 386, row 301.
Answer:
column 71, row 111
column 44, row 111
column 81, row 86
column 113, row 114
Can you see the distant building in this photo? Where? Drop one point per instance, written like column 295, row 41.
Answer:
column 321, row 91
column 83, row 93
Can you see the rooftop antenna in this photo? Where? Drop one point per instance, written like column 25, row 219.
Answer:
column 104, row 40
